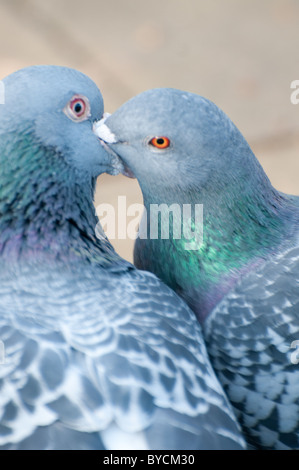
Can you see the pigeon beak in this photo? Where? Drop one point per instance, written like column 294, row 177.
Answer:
column 103, row 132
column 116, row 163
column 107, row 138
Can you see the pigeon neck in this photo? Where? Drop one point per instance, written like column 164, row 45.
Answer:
column 239, row 229
column 46, row 208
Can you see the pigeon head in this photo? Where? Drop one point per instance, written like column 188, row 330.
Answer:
column 174, row 140
column 57, row 107
column 186, row 152
column 49, row 158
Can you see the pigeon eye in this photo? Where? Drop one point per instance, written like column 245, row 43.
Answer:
column 78, row 108
column 160, row 142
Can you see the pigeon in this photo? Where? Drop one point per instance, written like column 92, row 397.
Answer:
column 229, row 247
column 95, row 354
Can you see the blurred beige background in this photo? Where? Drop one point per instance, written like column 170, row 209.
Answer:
column 241, row 54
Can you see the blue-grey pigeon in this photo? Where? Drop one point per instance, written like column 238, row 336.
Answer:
column 94, row 353
column 239, row 269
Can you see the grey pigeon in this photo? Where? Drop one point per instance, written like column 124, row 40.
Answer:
column 94, row 353
column 241, row 277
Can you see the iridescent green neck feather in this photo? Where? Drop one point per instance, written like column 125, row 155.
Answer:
column 239, row 230
column 46, row 208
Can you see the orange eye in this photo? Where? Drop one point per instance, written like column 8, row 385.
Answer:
column 160, row 142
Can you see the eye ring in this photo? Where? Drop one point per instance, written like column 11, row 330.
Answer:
column 78, row 108
column 160, row 142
